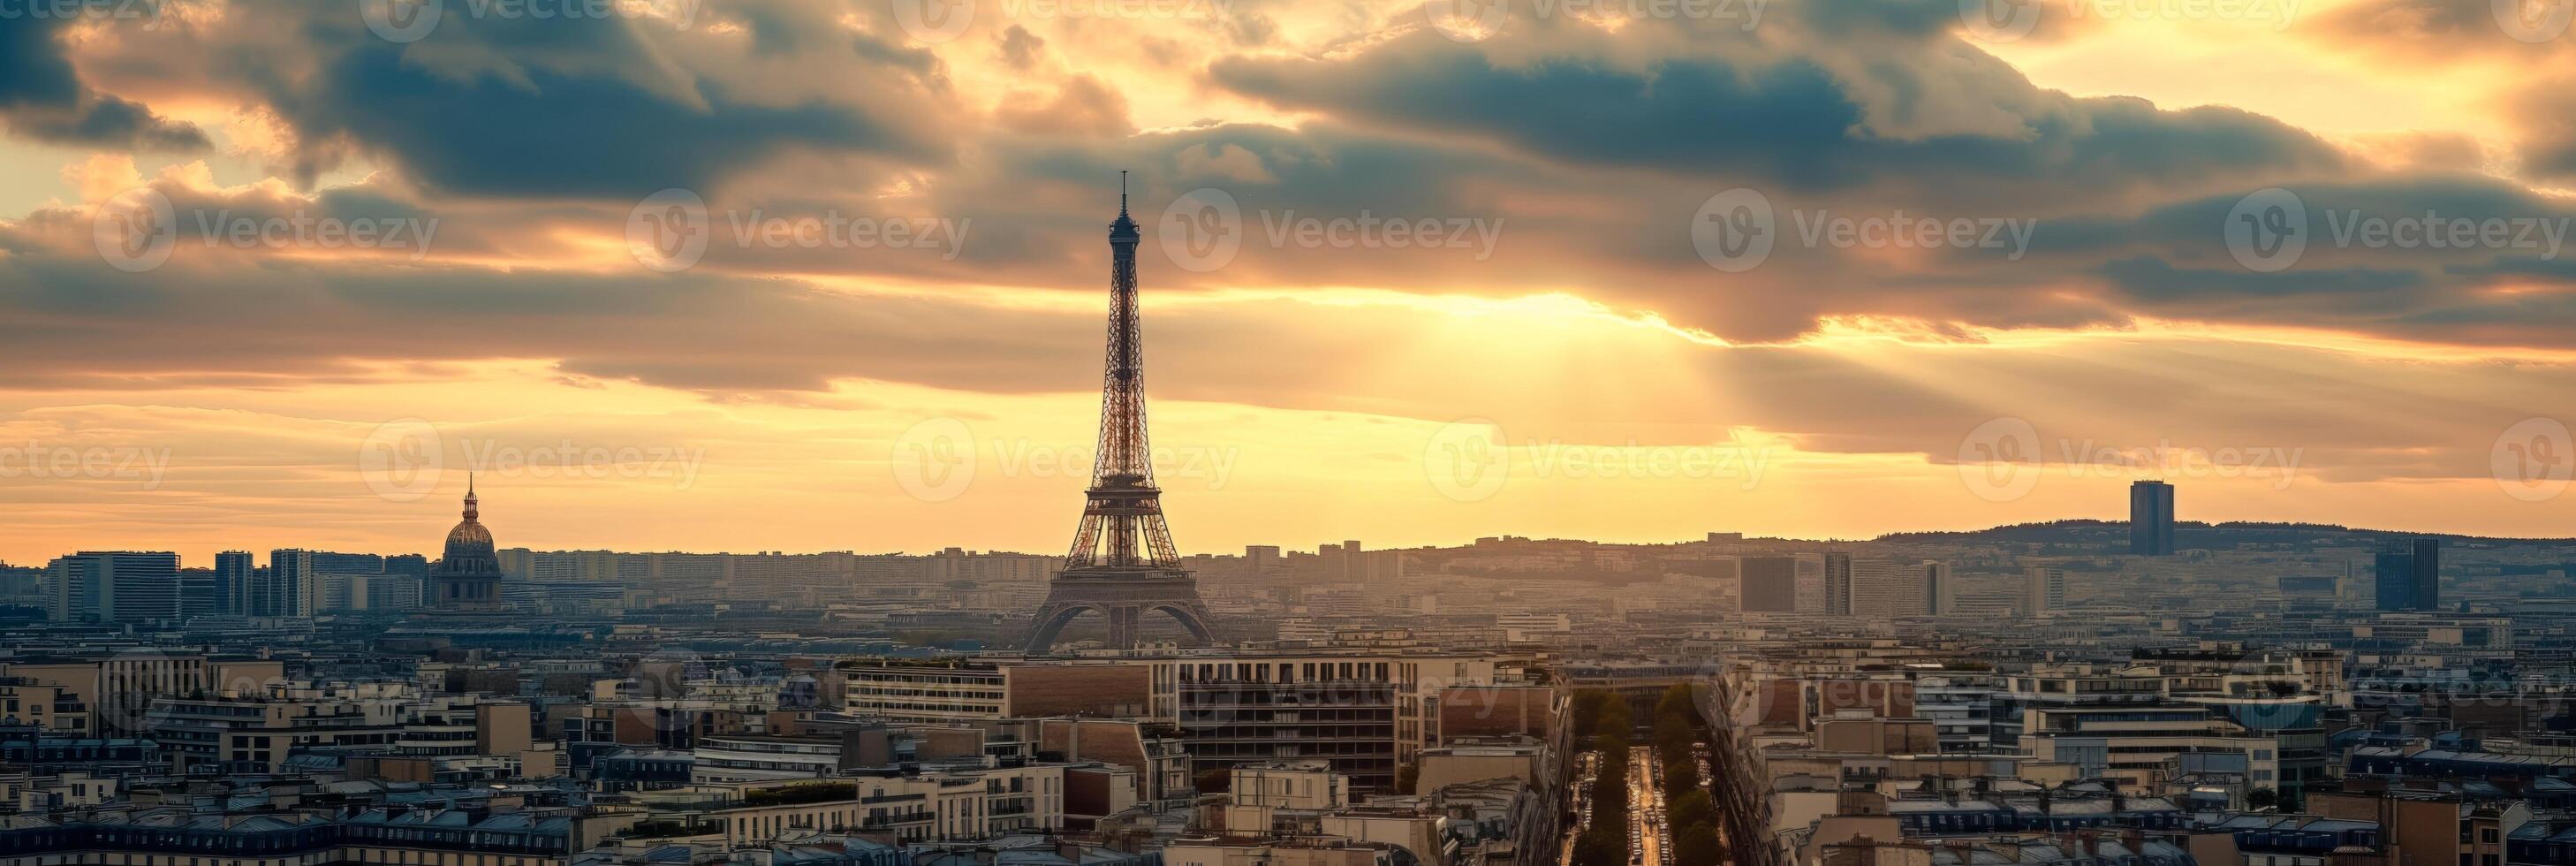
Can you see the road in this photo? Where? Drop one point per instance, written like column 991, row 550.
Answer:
column 1587, row 766
column 1649, row 840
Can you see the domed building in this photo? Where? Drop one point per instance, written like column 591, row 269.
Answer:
column 468, row 576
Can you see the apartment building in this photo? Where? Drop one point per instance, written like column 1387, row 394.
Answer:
column 114, row 691
column 1367, row 712
column 255, row 732
column 946, row 802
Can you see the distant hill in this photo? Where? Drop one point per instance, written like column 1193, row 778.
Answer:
column 2197, row 535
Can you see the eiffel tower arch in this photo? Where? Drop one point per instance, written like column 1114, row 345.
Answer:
column 1123, row 564
column 1124, row 603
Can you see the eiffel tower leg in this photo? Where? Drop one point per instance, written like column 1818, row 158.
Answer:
column 1194, row 618
column 1050, row 622
column 1122, row 627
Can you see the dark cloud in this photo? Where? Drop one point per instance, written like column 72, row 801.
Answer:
column 43, row 98
column 1913, row 18
column 2547, row 138
column 494, row 137
column 2161, row 284
column 1019, row 47
column 2437, row 32
column 517, row 106
column 1792, row 120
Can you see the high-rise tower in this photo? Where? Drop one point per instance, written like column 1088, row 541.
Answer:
column 2151, row 518
column 2410, row 574
column 1122, row 564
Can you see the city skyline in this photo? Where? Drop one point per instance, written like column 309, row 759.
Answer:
column 260, row 554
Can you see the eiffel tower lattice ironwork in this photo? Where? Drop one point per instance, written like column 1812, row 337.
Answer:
column 1122, row 565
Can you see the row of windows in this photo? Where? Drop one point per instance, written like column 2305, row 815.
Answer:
column 1285, row 672
column 1263, row 748
column 950, row 694
column 401, row 857
column 282, row 842
column 928, row 679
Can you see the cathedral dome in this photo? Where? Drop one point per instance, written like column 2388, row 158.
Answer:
column 469, row 540
column 469, row 545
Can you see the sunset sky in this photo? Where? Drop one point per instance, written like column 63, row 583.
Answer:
column 1567, row 360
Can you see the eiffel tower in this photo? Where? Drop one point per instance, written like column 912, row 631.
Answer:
column 1122, row 565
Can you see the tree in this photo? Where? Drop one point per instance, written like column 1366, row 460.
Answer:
column 1610, row 794
column 1586, row 711
column 1680, row 777
column 2262, row 798
column 1602, row 846
column 1696, row 807
column 1613, row 717
column 1677, row 702
column 1613, row 748
column 1406, row 778
column 1674, row 735
column 1698, row 845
